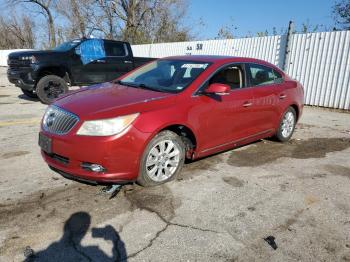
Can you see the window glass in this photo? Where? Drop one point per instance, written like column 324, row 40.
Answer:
column 166, row 75
column 114, row 49
column 262, row 75
column 91, row 50
column 278, row 77
column 67, row 46
column 231, row 75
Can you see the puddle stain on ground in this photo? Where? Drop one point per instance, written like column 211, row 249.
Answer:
column 158, row 199
column 193, row 168
column 14, row 154
column 338, row 170
column 269, row 151
column 233, row 181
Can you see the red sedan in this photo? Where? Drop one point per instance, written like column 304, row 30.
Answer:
column 143, row 126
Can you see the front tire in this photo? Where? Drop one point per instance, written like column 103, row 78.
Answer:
column 29, row 93
column 287, row 125
column 50, row 87
column 162, row 160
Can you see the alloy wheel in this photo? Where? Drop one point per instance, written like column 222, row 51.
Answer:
column 162, row 160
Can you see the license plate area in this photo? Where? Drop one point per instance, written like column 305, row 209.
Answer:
column 45, row 143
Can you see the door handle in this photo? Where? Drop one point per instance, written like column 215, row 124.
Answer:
column 100, row 61
column 247, row 104
column 127, row 62
column 283, row 96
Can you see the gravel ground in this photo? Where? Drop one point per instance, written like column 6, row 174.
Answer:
column 221, row 208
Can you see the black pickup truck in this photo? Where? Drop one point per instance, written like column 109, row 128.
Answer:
column 47, row 74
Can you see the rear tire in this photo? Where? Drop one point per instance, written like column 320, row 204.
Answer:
column 287, row 125
column 50, row 87
column 162, row 159
column 29, row 93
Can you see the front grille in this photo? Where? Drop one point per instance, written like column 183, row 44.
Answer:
column 59, row 121
column 17, row 64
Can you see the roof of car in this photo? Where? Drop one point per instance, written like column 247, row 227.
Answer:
column 218, row 59
column 215, row 58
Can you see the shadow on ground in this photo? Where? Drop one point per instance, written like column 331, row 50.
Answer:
column 27, row 98
column 69, row 247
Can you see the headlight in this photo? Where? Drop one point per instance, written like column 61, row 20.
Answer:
column 106, row 127
column 32, row 58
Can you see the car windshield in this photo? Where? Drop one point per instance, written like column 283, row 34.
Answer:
column 67, row 46
column 166, row 75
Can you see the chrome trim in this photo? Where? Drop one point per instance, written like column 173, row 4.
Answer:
column 62, row 123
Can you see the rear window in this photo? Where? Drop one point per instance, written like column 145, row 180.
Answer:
column 114, row 49
column 263, row 75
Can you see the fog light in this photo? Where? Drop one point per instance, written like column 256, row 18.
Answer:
column 93, row 167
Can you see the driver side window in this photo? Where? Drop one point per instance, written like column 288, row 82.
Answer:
column 231, row 75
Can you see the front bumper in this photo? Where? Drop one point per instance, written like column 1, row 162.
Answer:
column 120, row 155
column 21, row 77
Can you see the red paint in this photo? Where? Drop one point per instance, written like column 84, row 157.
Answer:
column 218, row 122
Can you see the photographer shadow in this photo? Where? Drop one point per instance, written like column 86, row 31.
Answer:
column 69, row 247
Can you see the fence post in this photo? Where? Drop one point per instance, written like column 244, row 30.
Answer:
column 287, row 47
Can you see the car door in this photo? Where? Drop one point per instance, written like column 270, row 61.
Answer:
column 89, row 62
column 229, row 118
column 118, row 59
column 264, row 82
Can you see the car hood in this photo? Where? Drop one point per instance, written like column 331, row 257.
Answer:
column 16, row 55
column 110, row 100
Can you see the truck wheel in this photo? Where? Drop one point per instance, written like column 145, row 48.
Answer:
column 29, row 93
column 162, row 160
column 50, row 87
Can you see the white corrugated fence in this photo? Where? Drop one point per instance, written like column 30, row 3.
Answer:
column 320, row 61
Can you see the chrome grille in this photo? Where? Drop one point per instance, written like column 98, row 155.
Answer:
column 59, row 121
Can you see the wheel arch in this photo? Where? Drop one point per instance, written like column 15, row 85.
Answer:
column 297, row 111
column 186, row 134
column 62, row 72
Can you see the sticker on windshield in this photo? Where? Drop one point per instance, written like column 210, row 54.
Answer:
column 179, row 87
column 204, row 66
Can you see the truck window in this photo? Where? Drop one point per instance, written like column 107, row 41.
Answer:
column 91, row 50
column 115, row 49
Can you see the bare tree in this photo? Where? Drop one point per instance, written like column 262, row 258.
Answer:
column 226, row 31
column 107, row 20
column 144, row 21
column 79, row 17
column 45, row 8
column 16, row 33
column 341, row 13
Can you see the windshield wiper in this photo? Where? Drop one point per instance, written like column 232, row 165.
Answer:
column 144, row 86
column 126, row 83
column 150, row 88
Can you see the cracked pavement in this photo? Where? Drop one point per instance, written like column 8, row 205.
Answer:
column 219, row 209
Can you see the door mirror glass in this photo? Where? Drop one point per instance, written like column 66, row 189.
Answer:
column 218, row 89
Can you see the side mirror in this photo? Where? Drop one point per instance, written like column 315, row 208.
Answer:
column 218, row 89
column 77, row 51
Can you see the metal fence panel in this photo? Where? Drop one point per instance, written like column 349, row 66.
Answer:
column 321, row 62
